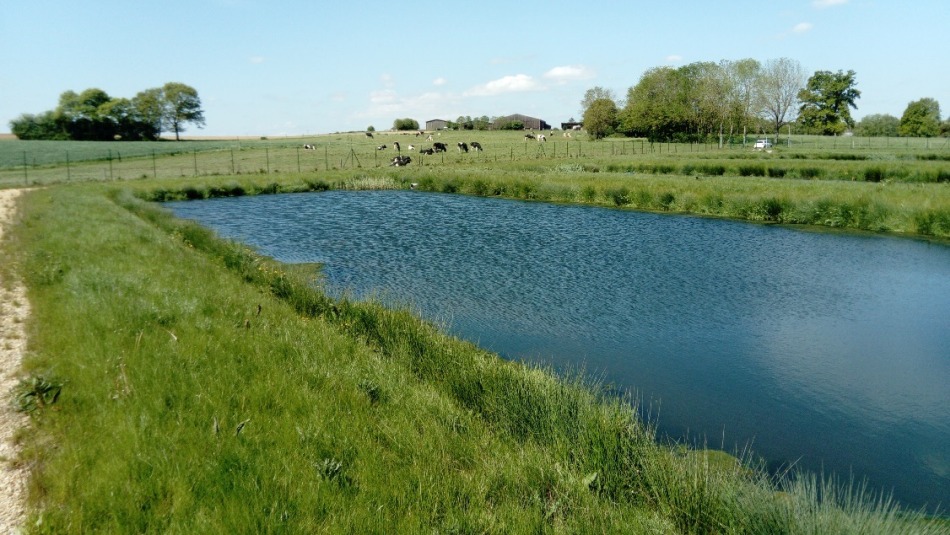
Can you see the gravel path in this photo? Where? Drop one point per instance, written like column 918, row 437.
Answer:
column 13, row 312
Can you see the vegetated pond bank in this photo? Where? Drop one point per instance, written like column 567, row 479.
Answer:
column 206, row 388
column 823, row 351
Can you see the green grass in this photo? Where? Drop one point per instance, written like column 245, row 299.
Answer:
column 208, row 389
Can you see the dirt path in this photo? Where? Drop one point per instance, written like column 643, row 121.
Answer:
column 13, row 312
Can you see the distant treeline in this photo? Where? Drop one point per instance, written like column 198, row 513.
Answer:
column 95, row 116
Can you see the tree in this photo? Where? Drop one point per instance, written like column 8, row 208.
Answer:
column 405, row 124
column 827, row 101
column 596, row 93
column 656, row 107
column 778, row 89
column 921, row 119
column 181, row 106
column 600, row 119
column 878, row 125
column 743, row 78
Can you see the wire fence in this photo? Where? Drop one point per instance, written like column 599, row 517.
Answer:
column 28, row 167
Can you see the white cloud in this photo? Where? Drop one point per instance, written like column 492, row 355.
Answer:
column 439, row 81
column 673, row 58
column 802, row 27
column 822, row 4
column 569, row 73
column 387, row 80
column 508, row 84
column 382, row 97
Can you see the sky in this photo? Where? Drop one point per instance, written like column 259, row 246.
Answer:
column 289, row 67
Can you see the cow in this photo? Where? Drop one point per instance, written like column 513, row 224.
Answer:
column 412, row 147
column 429, row 152
column 369, row 134
column 439, row 147
column 528, row 136
column 309, row 147
column 541, row 138
column 382, row 147
column 396, row 146
column 400, row 161
column 429, row 137
column 463, row 147
column 476, row 146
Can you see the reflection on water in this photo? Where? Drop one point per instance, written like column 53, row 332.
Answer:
column 824, row 350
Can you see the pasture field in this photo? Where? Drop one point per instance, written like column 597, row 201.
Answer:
column 200, row 387
column 903, row 189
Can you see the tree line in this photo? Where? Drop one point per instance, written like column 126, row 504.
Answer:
column 93, row 115
column 706, row 100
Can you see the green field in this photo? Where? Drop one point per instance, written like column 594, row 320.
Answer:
column 880, row 185
column 204, row 388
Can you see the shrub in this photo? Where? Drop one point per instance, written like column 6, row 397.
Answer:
column 714, row 170
column 619, row 196
column 777, row 172
column 873, row 174
column 751, row 170
column 810, row 172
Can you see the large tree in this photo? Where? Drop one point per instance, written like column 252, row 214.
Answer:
column 600, row 119
column 878, row 125
column 921, row 119
column 596, row 93
column 827, row 101
column 656, row 107
column 743, row 78
column 777, row 89
column 182, row 106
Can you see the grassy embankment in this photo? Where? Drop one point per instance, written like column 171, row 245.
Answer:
column 208, row 389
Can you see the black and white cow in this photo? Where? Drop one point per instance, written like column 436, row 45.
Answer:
column 382, row 147
column 476, row 146
column 369, row 134
column 400, row 161
column 429, row 151
column 439, row 147
column 463, row 147
column 396, row 146
column 541, row 138
column 309, row 147
column 528, row 136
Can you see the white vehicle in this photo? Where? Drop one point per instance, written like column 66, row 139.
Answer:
column 762, row 144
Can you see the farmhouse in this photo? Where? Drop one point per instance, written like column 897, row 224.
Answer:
column 530, row 123
column 436, row 124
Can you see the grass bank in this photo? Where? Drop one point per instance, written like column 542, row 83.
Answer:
column 201, row 387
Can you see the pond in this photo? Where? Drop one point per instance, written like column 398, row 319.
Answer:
column 826, row 351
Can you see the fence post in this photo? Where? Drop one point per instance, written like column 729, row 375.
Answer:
column 68, row 172
column 26, row 176
column 154, row 168
column 110, row 164
column 232, row 160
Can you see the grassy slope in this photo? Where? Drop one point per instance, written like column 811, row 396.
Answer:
column 185, row 410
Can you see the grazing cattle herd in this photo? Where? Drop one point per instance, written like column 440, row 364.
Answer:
column 399, row 160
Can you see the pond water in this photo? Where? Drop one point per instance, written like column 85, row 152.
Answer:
column 824, row 350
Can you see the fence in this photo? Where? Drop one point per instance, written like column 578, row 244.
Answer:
column 110, row 164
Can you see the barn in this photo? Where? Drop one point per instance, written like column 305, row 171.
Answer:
column 530, row 123
column 436, row 124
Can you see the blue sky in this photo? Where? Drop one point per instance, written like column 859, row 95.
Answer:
column 296, row 68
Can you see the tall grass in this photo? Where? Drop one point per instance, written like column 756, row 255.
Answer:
column 209, row 389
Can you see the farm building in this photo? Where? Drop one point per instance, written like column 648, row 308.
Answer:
column 572, row 126
column 436, row 124
column 530, row 123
